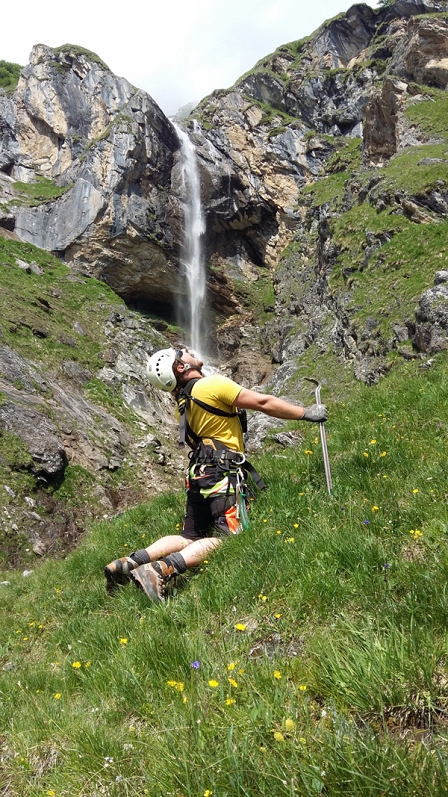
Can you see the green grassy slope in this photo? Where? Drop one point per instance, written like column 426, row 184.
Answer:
column 9, row 75
column 52, row 301
column 388, row 234
column 50, row 315
column 318, row 636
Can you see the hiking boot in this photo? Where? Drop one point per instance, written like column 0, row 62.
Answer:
column 153, row 578
column 118, row 572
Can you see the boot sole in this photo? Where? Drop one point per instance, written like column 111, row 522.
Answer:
column 150, row 582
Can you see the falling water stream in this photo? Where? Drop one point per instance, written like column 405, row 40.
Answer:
column 194, row 229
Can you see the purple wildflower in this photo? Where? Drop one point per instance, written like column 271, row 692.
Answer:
column 195, row 665
column 385, row 565
column 367, row 522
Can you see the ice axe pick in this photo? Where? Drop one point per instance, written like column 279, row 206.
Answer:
column 323, row 438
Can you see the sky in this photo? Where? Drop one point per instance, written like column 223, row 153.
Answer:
column 176, row 50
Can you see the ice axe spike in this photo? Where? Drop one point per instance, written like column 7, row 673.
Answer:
column 323, row 437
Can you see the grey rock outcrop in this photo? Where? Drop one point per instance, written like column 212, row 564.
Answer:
column 39, row 434
column 72, row 121
column 431, row 329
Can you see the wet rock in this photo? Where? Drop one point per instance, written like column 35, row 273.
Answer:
column 259, row 428
column 369, row 369
column 22, row 264
column 76, row 372
column 287, row 439
column 39, row 434
column 431, row 328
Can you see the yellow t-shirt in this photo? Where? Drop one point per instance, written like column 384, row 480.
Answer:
column 218, row 391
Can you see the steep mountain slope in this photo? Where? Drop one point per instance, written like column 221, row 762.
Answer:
column 82, row 433
column 324, row 184
column 343, row 137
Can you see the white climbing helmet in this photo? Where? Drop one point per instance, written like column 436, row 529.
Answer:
column 160, row 370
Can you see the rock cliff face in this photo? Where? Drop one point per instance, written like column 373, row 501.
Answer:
column 73, row 122
column 336, row 103
column 324, row 176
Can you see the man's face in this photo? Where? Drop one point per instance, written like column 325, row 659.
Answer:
column 189, row 359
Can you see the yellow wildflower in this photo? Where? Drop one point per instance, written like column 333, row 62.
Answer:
column 179, row 686
column 230, row 701
column 296, row 525
column 308, row 451
column 208, row 793
column 289, row 724
column 277, row 674
column 231, row 666
column 240, row 626
column 365, row 454
column 302, row 688
column 277, row 616
column 279, row 736
column 372, row 442
column 415, row 491
column 232, row 682
column 123, row 640
column 213, row 684
column 171, row 683
column 375, row 508
column 76, row 665
column 87, row 664
column 57, row 696
column 383, row 454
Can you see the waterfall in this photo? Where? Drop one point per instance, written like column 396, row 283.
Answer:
column 194, row 229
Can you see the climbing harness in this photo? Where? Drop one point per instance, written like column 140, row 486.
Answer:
column 218, row 469
column 220, row 453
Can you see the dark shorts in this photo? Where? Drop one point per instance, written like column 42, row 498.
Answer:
column 211, row 506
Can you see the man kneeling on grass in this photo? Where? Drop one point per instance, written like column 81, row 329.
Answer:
column 210, row 412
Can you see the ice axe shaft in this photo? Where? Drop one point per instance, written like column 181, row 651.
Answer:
column 323, row 437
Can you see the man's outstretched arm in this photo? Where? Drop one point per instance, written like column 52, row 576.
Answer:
column 278, row 408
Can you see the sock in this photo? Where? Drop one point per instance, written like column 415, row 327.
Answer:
column 140, row 557
column 177, row 561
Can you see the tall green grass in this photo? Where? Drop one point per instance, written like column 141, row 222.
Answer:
column 328, row 616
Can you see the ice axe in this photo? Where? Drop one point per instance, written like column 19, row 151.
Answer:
column 323, row 438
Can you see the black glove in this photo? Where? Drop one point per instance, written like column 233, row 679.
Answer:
column 317, row 413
